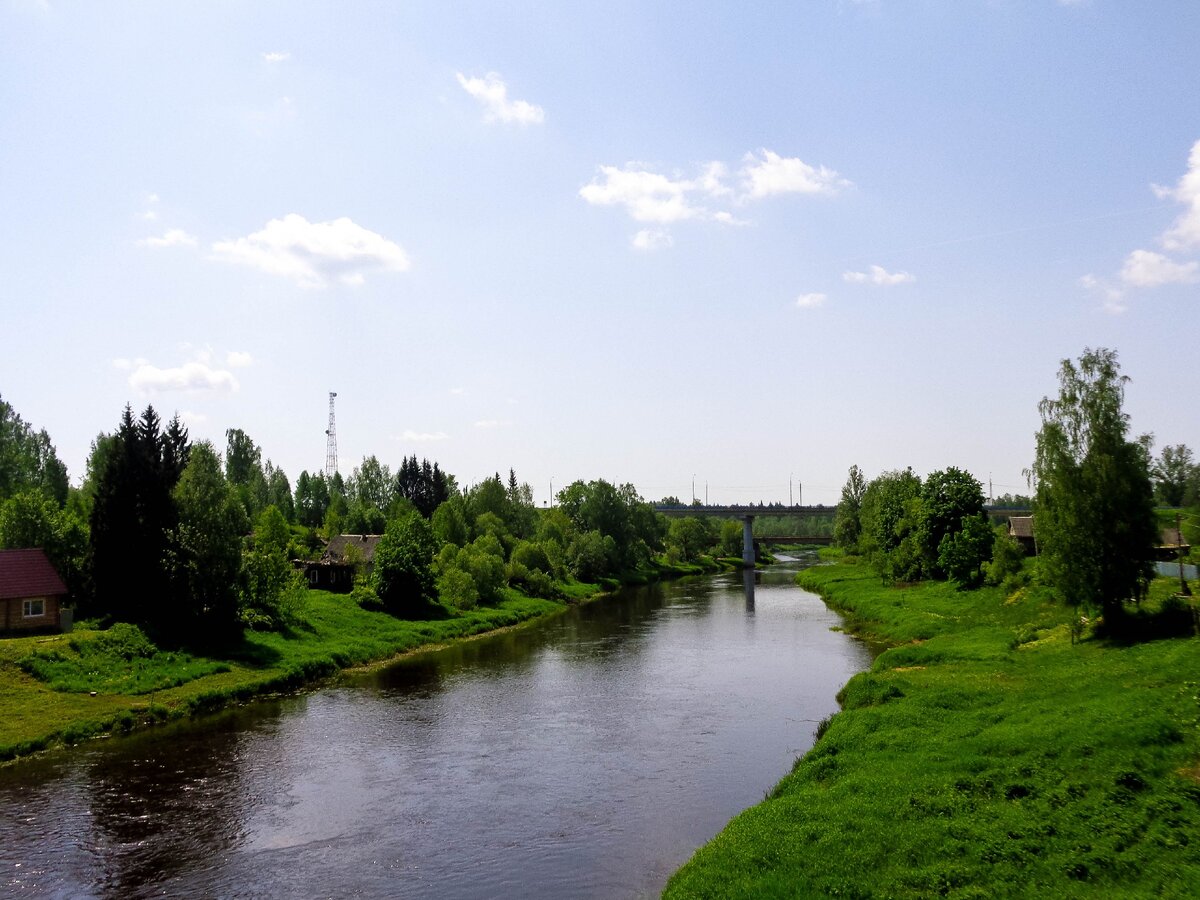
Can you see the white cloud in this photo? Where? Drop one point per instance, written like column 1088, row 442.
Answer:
column 808, row 301
column 276, row 56
column 1145, row 268
column 313, row 253
column 174, row 237
column 1113, row 297
column 655, row 198
column 1185, row 233
column 652, row 239
column 647, row 196
column 458, row 391
column 191, row 376
column 492, row 94
column 775, row 174
column 238, row 359
column 878, row 276
column 193, row 418
column 420, row 437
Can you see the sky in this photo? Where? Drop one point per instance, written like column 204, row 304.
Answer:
column 743, row 246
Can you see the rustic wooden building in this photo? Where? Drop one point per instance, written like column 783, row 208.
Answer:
column 31, row 593
column 1021, row 528
column 344, row 554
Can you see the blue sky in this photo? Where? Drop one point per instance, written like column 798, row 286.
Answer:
column 637, row 241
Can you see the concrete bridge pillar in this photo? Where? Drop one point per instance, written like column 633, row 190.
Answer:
column 748, row 540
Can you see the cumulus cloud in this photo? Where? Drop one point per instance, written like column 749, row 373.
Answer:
column 238, row 359
column 775, row 174
column 807, row 301
column 1185, row 233
column 312, row 254
column 421, row 437
column 173, row 237
column 492, row 94
column 655, row 198
column 647, row 196
column 1145, row 268
column 276, row 56
column 878, row 275
column 191, row 376
column 192, row 418
column 652, row 239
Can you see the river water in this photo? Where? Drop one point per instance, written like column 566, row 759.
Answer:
column 587, row 756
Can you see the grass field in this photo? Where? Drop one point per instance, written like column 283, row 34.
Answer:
column 983, row 755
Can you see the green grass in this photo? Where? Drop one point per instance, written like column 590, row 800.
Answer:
column 45, row 682
column 983, row 755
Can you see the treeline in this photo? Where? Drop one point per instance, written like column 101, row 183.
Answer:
column 174, row 536
column 1095, row 524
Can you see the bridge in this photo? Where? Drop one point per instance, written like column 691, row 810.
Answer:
column 747, row 514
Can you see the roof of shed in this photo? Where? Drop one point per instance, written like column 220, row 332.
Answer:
column 1020, row 526
column 338, row 546
column 28, row 573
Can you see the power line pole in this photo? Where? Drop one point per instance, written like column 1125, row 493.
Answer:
column 331, row 443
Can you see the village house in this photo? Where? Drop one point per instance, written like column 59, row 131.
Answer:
column 344, row 555
column 31, row 593
column 1021, row 528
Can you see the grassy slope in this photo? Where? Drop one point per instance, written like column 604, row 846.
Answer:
column 339, row 634
column 982, row 756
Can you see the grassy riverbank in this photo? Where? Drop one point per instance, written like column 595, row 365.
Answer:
column 983, row 755
column 46, row 681
column 337, row 634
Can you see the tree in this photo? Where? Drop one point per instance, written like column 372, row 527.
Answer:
column 889, row 514
column 847, row 523
column 403, row 571
column 206, row 549
column 131, row 520
column 690, row 536
column 949, row 497
column 1094, row 504
column 279, row 492
column 1173, row 472
column 244, row 471
column 28, row 459
column 963, row 552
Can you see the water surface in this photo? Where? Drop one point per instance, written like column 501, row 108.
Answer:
column 587, row 756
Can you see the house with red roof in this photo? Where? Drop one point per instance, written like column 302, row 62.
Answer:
column 31, row 593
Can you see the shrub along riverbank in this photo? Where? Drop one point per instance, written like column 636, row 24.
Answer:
column 985, row 754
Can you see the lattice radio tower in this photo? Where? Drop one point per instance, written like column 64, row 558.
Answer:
column 331, row 443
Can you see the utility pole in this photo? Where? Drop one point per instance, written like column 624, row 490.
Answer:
column 693, row 488
column 1183, row 585
column 800, row 491
column 790, row 489
column 331, row 443
column 706, row 493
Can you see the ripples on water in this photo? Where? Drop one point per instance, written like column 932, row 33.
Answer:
column 585, row 757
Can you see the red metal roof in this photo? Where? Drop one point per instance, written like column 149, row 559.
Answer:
column 28, row 573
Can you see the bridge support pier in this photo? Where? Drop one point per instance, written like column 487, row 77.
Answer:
column 748, row 541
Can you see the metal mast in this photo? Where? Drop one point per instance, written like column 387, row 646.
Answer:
column 331, row 443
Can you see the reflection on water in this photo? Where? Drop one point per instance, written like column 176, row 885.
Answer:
column 585, row 757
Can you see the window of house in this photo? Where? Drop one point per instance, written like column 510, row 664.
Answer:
column 35, row 608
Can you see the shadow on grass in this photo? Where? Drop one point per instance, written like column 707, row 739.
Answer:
column 1175, row 619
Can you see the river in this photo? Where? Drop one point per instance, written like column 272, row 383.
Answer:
column 586, row 756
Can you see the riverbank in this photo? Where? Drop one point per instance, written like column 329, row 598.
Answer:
column 984, row 754
column 336, row 634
